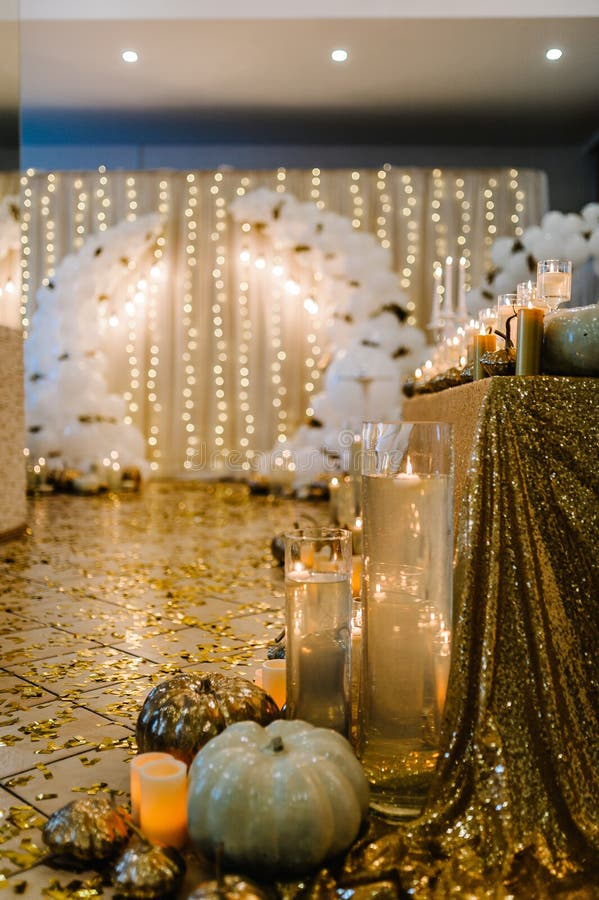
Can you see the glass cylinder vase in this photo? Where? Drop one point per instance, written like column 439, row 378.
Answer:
column 407, row 594
column 318, row 569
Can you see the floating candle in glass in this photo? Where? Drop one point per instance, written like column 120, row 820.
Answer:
column 318, row 567
column 408, row 548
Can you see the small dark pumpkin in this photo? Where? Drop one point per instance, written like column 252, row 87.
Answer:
column 88, row 829
column 499, row 362
column 147, row 872
column 181, row 714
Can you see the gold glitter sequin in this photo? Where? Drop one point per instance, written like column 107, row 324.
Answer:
column 518, row 778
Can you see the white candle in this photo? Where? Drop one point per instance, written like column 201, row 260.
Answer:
column 163, row 802
column 274, row 678
column 136, row 764
column 462, row 310
column 435, row 319
column 448, row 298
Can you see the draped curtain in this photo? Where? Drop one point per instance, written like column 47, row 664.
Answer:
column 220, row 362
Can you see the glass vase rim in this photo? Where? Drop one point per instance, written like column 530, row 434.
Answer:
column 434, row 423
column 554, row 259
column 318, row 533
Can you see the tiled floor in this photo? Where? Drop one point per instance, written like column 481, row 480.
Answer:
column 103, row 598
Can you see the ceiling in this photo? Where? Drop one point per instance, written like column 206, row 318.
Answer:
column 427, row 73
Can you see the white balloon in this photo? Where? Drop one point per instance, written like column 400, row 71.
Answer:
column 574, row 224
column 576, row 248
column 593, row 242
column 553, row 223
column 590, row 214
column 501, row 250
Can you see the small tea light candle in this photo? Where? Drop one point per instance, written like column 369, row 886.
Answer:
column 163, row 802
column 274, row 680
column 136, row 764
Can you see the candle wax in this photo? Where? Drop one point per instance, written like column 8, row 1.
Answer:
column 136, row 764
column 163, row 802
column 274, row 677
column 530, row 341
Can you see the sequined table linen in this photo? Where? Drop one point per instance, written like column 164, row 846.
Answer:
column 517, row 786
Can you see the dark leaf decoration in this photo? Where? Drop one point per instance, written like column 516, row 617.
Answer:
column 396, row 310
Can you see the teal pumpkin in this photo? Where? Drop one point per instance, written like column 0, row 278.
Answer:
column 571, row 341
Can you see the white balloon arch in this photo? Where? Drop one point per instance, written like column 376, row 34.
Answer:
column 371, row 346
column 72, row 419
column 560, row 235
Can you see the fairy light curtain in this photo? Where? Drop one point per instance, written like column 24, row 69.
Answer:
column 218, row 359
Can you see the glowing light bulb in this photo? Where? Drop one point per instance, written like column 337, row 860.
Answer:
column 113, row 321
column 260, row 262
column 245, row 256
column 292, row 287
column 339, row 55
column 311, row 306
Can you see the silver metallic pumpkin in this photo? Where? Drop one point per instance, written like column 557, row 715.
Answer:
column 147, row 872
column 89, row 829
column 181, row 714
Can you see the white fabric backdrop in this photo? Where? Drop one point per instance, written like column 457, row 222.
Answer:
column 216, row 361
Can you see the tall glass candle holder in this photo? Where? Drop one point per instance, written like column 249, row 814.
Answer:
column 407, row 594
column 318, row 569
column 554, row 281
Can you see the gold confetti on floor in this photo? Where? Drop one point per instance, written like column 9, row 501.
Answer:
column 103, row 598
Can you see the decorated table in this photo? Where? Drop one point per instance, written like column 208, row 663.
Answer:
column 110, row 596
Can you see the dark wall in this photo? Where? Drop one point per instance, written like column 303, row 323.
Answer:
column 82, row 140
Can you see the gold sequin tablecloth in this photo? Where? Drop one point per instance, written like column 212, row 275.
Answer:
column 517, row 788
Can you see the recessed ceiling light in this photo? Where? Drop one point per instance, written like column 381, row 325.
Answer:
column 130, row 56
column 554, row 53
column 339, row 55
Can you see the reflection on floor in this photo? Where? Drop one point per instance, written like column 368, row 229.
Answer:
column 103, row 598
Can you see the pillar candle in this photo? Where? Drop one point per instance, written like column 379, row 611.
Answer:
column 135, row 766
column 483, row 343
column 435, row 319
column 274, row 678
column 462, row 310
column 163, row 802
column 448, row 298
column 334, row 499
column 530, row 341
